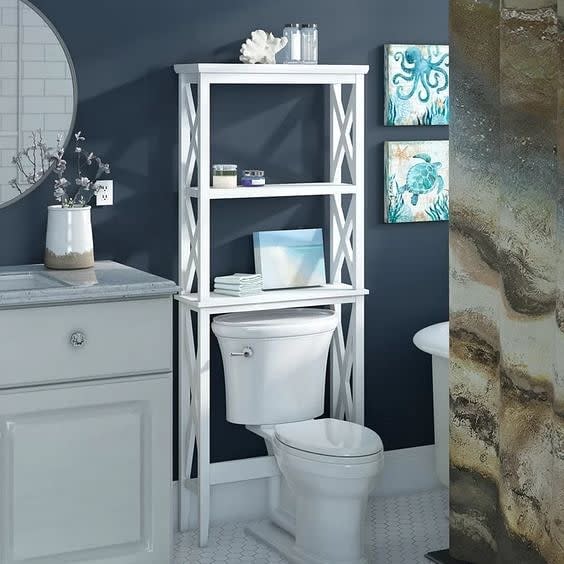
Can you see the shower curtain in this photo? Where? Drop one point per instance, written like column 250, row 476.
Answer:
column 507, row 282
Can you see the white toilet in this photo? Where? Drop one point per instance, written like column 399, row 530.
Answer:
column 275, row 370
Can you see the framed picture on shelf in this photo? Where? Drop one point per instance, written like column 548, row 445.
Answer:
column 290, row 258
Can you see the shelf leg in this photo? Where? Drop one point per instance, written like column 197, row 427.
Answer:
column 184, row 417
column 203, row 362
column 335, row 367
column 358, row 362
column 188, row 414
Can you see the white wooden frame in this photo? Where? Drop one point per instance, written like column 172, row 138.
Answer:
column 197, row 304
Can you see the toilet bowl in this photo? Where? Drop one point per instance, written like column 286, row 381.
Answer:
column 275, row 370
column 331, row 466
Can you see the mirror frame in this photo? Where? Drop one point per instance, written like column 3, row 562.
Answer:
column 75, row 102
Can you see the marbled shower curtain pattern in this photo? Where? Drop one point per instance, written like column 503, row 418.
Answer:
column 507, row 281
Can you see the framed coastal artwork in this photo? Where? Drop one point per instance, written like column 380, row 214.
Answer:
column 416, row 181
column 416, row 85
column 292, row 258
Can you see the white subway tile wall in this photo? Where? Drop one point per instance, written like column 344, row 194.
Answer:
column 36, row 92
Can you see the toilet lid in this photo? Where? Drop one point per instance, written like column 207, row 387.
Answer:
column 330, row 437
column 274, row 323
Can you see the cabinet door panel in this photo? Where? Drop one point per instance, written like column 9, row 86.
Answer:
column 85, row 473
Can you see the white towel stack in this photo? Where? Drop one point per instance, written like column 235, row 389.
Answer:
column 238, row 284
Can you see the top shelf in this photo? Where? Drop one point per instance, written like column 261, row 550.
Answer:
column 240, row 73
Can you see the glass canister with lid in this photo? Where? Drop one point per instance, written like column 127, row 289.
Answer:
column 309, row 43
column 293, row 50
column 224, row 176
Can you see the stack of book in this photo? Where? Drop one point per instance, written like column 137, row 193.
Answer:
column 238, row 284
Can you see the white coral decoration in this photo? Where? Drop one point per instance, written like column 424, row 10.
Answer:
column 262, row 47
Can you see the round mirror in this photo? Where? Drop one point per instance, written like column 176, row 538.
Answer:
column 38, row 97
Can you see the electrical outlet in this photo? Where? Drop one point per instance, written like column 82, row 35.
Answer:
column 105, row 195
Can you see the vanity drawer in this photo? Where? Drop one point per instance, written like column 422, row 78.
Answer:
column 77, row 342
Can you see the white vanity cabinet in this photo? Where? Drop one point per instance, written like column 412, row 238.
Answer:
column 85, row 429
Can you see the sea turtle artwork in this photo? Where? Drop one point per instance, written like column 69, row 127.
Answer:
column 422, row 178
column 417, row 85
column 416, row 181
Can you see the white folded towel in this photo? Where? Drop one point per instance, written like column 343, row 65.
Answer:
column 238, row 287
column 239, row 278
column 238, row 284
column 238, row 293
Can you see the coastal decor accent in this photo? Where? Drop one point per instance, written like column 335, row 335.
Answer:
column 416, row 181
column 261, row 48
column 416, row 84
column 290, row 258
column 69, row 242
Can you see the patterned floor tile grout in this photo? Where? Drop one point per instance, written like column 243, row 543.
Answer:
column 401, row 530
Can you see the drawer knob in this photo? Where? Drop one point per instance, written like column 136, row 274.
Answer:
column 78, row 339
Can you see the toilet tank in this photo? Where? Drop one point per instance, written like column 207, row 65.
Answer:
column 275, row 363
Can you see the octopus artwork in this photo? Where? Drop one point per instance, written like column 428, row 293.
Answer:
column 417, row 85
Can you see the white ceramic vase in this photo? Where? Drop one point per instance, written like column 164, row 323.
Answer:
column 69, row 243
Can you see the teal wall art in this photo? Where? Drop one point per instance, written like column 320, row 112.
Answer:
column 416, row 181
column 416, row 85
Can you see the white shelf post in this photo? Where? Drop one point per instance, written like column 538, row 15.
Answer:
column 346, row 254
column 335, row 204
column 203, row 371
column 184, row 252
column 204, row 166
column 347, row 248
column 358, row 236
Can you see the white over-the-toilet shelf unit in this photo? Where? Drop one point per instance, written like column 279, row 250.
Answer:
column 346, row 260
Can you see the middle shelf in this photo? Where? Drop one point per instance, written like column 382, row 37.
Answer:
column 274, row 299
column 277, row 190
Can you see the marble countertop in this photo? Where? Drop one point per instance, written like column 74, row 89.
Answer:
column 33, row 285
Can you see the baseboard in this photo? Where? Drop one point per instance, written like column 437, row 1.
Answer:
column 408, row 470
column 405, row 471
column 236, row 501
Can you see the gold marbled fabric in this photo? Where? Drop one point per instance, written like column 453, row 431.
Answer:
column 507, row 281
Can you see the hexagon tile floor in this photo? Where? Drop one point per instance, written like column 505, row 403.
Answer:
column 402, row 530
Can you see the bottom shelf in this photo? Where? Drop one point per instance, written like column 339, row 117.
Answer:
column 270, row 299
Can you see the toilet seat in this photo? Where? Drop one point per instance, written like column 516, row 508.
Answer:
column 330, row 440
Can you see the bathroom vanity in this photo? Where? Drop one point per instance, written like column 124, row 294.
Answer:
column 85, row 415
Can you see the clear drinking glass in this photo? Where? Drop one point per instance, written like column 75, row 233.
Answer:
column 309, row 36
column 293, row 51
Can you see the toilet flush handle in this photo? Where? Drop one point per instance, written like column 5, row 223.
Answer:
column 247, row 352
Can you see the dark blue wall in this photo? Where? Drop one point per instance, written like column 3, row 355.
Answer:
column 123, row 52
